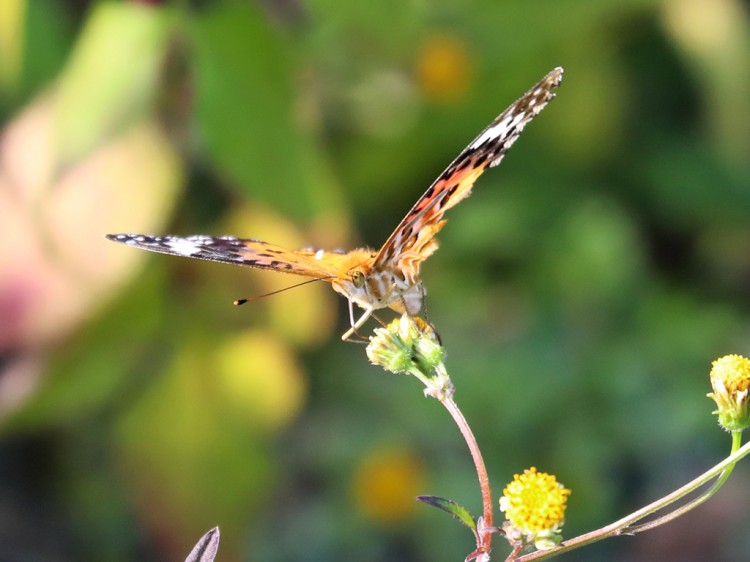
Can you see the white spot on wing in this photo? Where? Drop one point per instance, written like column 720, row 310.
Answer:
column 319, row 254
column 498, row 130
column 184, row 246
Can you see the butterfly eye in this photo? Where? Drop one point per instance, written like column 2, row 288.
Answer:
column 358, row 278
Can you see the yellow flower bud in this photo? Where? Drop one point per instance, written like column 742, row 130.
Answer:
column 730, row 380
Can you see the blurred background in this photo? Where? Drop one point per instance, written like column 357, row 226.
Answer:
column 581, row 292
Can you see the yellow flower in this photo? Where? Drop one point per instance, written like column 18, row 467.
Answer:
column 534, row 506
column 444, row 69
column 386, row 482
column 730, row 379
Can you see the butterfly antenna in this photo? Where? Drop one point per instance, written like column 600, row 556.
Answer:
column 238, row 302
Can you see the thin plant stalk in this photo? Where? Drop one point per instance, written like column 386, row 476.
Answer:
column 625, row 526
column 476, row 455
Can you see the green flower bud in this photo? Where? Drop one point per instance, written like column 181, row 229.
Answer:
column 391, row 349
column 428, row 354
column 410, row 345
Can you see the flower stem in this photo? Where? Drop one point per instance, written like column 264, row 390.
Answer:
column 485, row 537
column 723, row 477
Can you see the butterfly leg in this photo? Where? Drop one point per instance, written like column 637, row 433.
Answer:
column 356, row 325
column 422, row 302
column 380, row 321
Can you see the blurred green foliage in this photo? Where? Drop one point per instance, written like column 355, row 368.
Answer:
column 581, row 293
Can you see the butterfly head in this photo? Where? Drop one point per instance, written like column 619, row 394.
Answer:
column 373, row 288
column 356, row 285
column 355, row 282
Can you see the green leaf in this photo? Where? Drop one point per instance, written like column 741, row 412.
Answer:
column 48, row 38
column 449, row 506
column 245, row 105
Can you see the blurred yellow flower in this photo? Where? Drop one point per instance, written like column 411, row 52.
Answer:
column 386, row 484
column 259, row 380
column 444, row 69
column 730, row 379
column 534, row 504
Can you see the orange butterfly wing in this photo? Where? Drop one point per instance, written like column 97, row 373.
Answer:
column 251, row 253
column 413, row 240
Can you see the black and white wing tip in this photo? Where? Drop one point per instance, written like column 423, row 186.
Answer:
column 226, row 249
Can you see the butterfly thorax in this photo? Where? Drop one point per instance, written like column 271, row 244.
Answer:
column 374, row 289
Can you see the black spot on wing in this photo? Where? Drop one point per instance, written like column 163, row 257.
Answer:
column 481, row 160
column 430, row 190
column 279, row 265
column 466, row 161
column 463, row 161
column 446, row 196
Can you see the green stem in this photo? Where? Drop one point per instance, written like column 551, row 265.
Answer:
column 624, row 525
column 723, row 477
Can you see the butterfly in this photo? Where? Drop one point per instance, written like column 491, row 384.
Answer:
column 388, row 277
